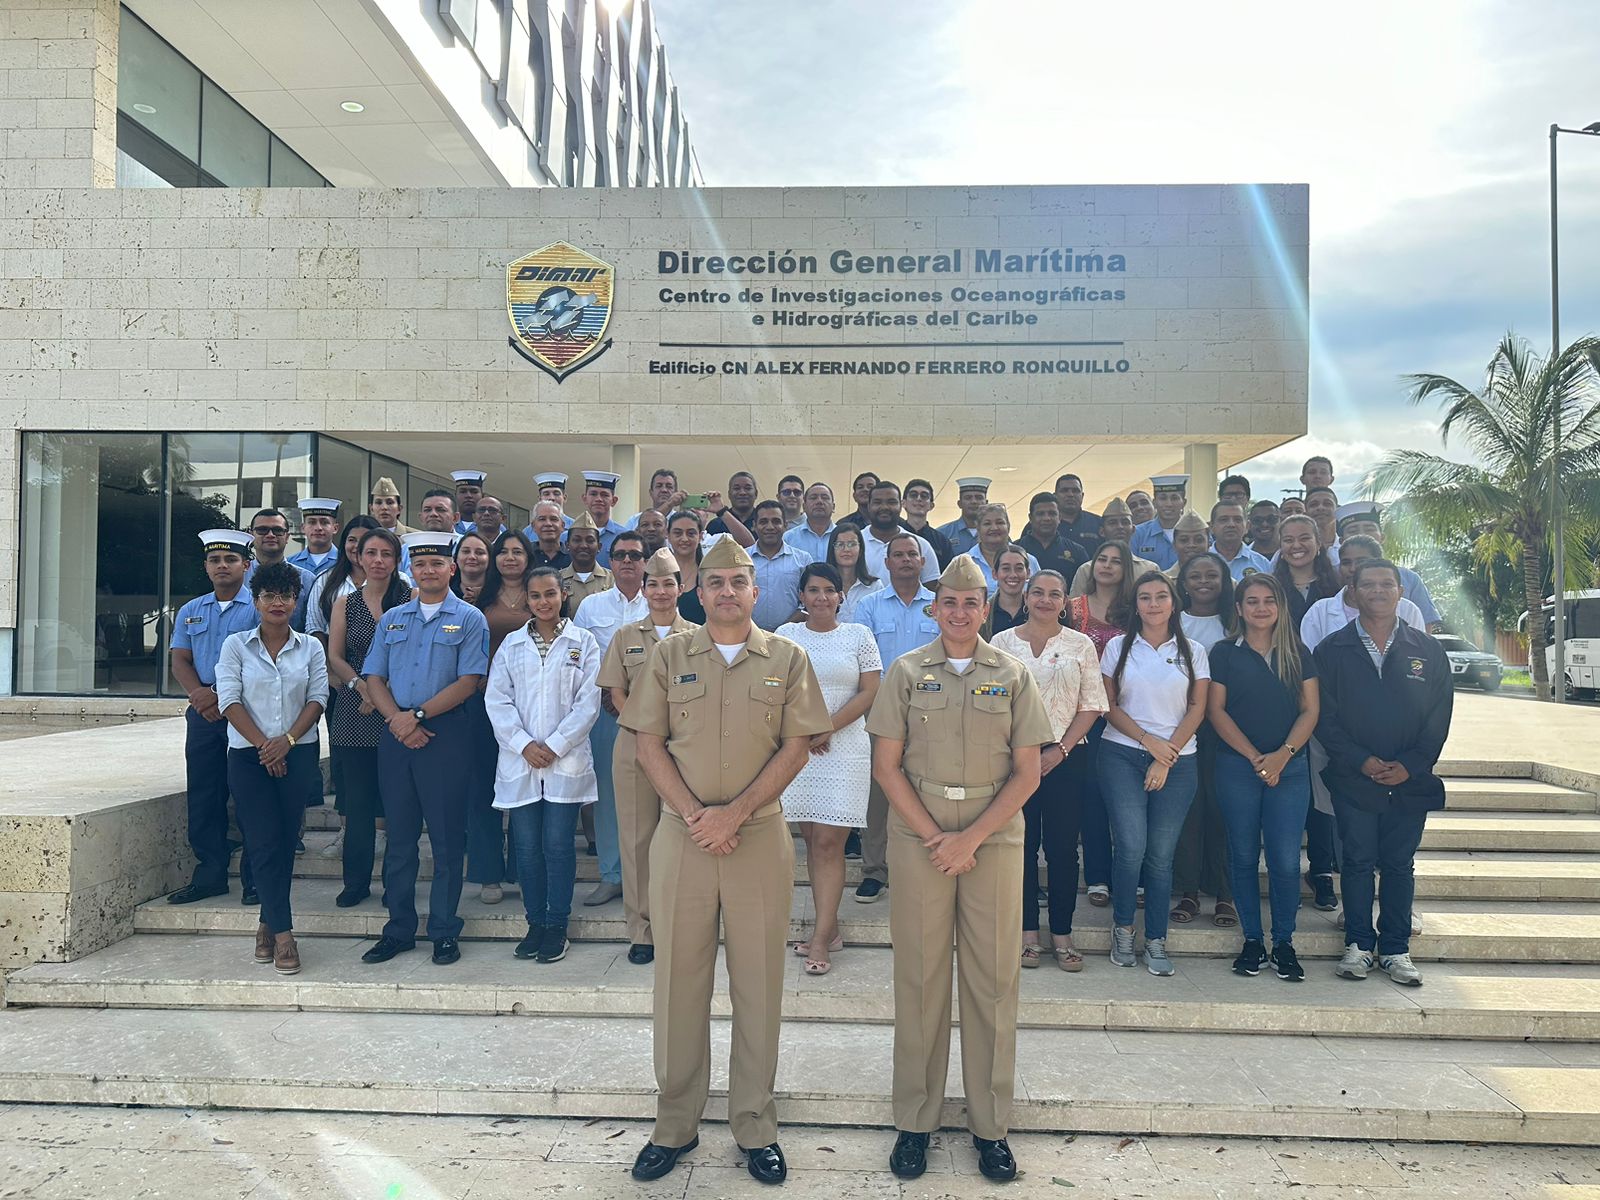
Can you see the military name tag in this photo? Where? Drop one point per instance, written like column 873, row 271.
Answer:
column 991, row 689
column 401, row 625
column 773, row 681
column 925, row 686
column 633, row 650
column 193, row 620
column 684, row 678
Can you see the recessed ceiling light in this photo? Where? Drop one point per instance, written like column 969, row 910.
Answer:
column 1004, row 469
column 353, row 106
column 147, row 109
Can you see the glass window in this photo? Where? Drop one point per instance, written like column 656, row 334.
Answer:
column 91, row 548
column 233, row 144
column 342, row 475
column 158, row 87
column 288, row 169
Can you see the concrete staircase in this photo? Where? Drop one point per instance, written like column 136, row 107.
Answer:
column 1502, row 1044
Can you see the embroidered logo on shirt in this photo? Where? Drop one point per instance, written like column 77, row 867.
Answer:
column 690, row 678
column 991, row 689
column 927, row 610
column 925, row 686
column 1416, row 668
column 574, row 655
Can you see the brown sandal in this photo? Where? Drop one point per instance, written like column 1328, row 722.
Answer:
column 1030, row 954
column 1068, row 958
column 1226, row 915
column 1185, row 911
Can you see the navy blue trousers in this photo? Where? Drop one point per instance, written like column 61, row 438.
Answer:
column 205, row 758
column 425, row 788
column 270, row 811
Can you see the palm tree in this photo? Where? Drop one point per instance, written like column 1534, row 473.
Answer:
column 1504, row 492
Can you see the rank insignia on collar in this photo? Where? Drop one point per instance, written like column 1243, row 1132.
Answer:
column 690, row 678
column 926, row 686
column 991, row 689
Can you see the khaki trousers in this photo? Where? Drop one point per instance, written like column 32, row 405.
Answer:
column 638, row 813
column 875, row 837
column 750, row 890
column 981, row 913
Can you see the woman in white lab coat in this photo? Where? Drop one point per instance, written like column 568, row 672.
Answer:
column 542, row 699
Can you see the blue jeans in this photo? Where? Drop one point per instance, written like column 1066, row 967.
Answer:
column 1145, row 827
column 1258, row 816
column 487, row 858
column 544, row 840
column 602, row 740
column 1096, row 825
column 1384, row 841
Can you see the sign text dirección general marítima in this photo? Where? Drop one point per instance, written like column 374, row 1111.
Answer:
column 1055, row 261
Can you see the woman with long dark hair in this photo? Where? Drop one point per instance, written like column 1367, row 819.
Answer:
column 472, row 555
column 354, row 724
column 847, row 554
column 684, row 540
column 340, row 579
column 1302, row 569
column 1263, row 704
column 504, row 600
column 1156, row 683
column 1008, row 607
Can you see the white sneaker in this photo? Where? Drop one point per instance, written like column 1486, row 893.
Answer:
column 491, row 893
column 335, row 849
column 1355, row 964
column 1155, row 957
column 1401, row 969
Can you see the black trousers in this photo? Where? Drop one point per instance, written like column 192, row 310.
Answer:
column 270, row 811
column 1052, row 816
column 205, row 758
column 356, row 769
column 425, row 788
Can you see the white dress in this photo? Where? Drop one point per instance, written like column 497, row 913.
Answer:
column 832, row 788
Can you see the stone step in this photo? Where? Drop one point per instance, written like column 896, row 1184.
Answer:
column 1543, row 833
column 1441, row 874
column 1467, row 1001
column 1067, row 1080
column 1515, row 795
column 1453, row 930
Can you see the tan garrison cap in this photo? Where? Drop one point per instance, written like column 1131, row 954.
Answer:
column 384, row 486
column 583, row 521
column 1116, row 507
column 963, row 575
column 661, row 562
column 728, row 553
column 1190, row 522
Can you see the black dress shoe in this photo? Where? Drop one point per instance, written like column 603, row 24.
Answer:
column 909, row 1158
column 386, row 948
column 350, row 897
column 528, row 947
column 994, row 1159
column 639, row 954
column 197, row 891
column 446, row 951
column 655, row 1161
column 766, row 1164
column 250, row 897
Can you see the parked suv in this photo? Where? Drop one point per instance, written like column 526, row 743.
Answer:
column 1468, row 664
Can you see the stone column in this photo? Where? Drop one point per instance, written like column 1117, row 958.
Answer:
column 58, row 94
column 625, row 462
column 1200, row 460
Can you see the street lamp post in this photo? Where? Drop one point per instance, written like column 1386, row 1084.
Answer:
column 1558, row 523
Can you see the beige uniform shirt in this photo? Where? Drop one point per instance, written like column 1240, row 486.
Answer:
column 577, row 589
column 1083, row 577
column 630, row 650
column 958, row 730
column 724, row 721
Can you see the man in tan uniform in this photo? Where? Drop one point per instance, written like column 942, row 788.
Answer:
column 957, row 728
column 724, row 718
column 638, row 806
column 583, row 576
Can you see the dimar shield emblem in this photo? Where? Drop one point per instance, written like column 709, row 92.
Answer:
column 559, row 301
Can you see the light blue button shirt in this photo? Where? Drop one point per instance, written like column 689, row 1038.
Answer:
column 988, row 571
column 202, row 625
column 272, row 691
column 297, row 621
column 778, row 578
column 1248, row 560
column 962, row 538
column 308, row 561
column 421, row 658
column 1153, row 543
column 898, row 627
column 814, row 544
column 607, row 536
column 1414, row 590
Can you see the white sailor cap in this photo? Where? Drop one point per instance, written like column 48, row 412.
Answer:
column 551, row 479
column 605, row 479
column 1357, row 510
column 476, row 477
column 322, row 506
column 973, row 481
column 428, row 541
column 237, row 540
column 1169, row 483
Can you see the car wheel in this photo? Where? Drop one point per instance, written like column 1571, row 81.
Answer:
column 1491, row 685
column 1571, row 692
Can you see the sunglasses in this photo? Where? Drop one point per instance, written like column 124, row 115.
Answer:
column 629, row 555
column 270, row 530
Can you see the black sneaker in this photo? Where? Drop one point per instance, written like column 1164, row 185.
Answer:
column 1251, row 959
column 1287, row 963
column 528, row 947
column 553, row 945
column 869, row 890
column 852, row 845
column 1322, row 897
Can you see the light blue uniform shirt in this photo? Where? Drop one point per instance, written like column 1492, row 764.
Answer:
column 778, row 578
column 607, row 536
column 1153, row 543
column 466, row 527
column 1414, row 590
column 308, row 561
column 962, row 538
column 815, row 544
column 202, row 625
column 988, row 572
column 898, row 627
column 421, row 658
column 1248, row 560
column 297, row 621
column 272, row 690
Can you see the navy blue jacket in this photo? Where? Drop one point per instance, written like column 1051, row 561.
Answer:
column 1402, row 717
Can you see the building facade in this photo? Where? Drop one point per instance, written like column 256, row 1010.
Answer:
column 172, row 357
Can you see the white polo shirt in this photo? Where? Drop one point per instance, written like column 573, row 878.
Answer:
column 877, row 553
column 604, row 613
column 1154, row 689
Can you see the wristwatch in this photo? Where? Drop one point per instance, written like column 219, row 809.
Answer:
column 350, row 684
column 419, row 714
column 289, row 737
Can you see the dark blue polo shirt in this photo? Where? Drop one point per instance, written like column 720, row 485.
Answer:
column 1257, row 701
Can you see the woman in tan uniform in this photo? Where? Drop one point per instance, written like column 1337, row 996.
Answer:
column 638, row 806
column 958, row 727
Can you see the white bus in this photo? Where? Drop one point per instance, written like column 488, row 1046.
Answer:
column 1582, row 641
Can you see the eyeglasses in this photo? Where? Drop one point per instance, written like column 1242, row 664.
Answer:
column 789, row 492
column 628, row 555
column 490, row 508
column 270, row 530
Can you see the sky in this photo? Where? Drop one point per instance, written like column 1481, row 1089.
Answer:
column 1421, row 128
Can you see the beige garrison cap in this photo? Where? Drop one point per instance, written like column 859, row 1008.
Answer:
column 1190, row 522
column 384, row 486
column 661, row 562
column 1116, row 507
column 583, row 521
column 963, row 575
column 728, row 553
